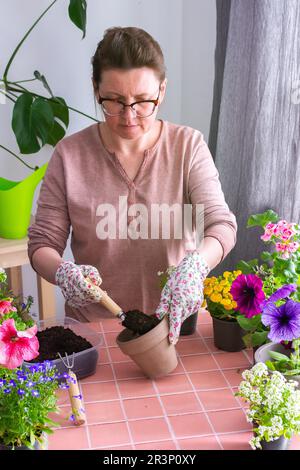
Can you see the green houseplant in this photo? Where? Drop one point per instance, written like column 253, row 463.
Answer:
column 37, row 120
column 278, row 267
column 274, row 407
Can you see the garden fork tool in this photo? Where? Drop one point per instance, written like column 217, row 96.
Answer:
column 134, row 320
column 74, row 393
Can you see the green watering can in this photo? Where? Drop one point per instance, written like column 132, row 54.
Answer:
column 16, row 202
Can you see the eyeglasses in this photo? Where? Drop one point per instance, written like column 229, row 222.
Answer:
column 142, row 109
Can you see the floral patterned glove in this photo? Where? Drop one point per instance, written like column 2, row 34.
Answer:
column 183, row 293
column 76, row 290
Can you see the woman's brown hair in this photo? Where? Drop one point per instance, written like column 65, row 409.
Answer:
column 127, row 48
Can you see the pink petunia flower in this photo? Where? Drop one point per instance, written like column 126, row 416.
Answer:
column 6, row 307
column 17, row 346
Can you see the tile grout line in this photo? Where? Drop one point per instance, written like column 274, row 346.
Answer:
column 227, row 381
column 172, row 433
column 200, row 402
column 120, row 396
column 174, row 374
column 183, row 438
column 156, row 417
column 181, row 392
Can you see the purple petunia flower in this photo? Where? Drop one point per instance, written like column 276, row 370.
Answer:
column 247, row 291
column 284, row 321
column 281, row 293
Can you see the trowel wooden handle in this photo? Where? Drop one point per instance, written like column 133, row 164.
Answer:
column 106, row 301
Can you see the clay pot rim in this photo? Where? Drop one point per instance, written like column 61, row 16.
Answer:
column 147, row 341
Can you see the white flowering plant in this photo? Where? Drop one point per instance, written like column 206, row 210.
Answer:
column 274, row 404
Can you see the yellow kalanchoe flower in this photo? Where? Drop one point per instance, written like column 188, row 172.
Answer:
column 215, row 297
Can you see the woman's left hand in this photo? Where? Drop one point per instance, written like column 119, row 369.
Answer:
column 183, row 293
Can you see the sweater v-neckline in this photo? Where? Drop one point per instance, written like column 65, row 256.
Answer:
column 113, row 157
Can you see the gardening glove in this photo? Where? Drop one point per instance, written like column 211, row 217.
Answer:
column 77, row 291
column 183, row 293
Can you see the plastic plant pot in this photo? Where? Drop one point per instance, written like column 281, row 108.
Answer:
column 262, row 355
column 228, row 335
column 189, row 325
column 85, row 362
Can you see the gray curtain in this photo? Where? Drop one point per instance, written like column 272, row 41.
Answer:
column 254, row 134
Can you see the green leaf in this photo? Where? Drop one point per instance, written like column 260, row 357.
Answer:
column 278, row 356
column 61, row 112
column 262, row 219
column 292, row 372
column 246, row 266
column 259, row 338
column 248, row 340
column 270, row 365
column 42, row 78
column 32, row 122
column 77, row 14
column 32, row 438
column 266, row 256
column 249, row 323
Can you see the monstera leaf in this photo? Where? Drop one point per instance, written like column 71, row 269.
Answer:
column 35, row 124
column 77, row 14
column 32, row 122
column 60, row 112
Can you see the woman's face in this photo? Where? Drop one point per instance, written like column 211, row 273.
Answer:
column 129, row 86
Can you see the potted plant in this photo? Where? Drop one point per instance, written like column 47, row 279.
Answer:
column 27, row 395
column 26, row 399
column 282, row 315
column 273, row 407
column 36, row 120
column 279, row 267
column 220, row 304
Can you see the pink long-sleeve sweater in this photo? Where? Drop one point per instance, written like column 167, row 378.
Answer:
column 84, row 179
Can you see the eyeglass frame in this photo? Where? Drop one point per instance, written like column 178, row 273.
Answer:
column 155, row 102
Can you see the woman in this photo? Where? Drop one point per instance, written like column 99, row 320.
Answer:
column 109, row 180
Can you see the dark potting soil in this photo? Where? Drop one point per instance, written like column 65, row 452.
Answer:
column 58, row 339
column 139, row 322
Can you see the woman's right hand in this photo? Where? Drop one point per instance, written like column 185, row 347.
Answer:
column 77, row 291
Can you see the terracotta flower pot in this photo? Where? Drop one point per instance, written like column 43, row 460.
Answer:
column 262, row 355
column 152, row 351
column 228, row 335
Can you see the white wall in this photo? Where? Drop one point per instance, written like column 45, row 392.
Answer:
column 185, row 30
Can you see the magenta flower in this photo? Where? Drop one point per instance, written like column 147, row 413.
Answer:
column 247, row 291
column 17, row 346
column 6, row 307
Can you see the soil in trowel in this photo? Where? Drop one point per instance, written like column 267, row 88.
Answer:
column 58, row 339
